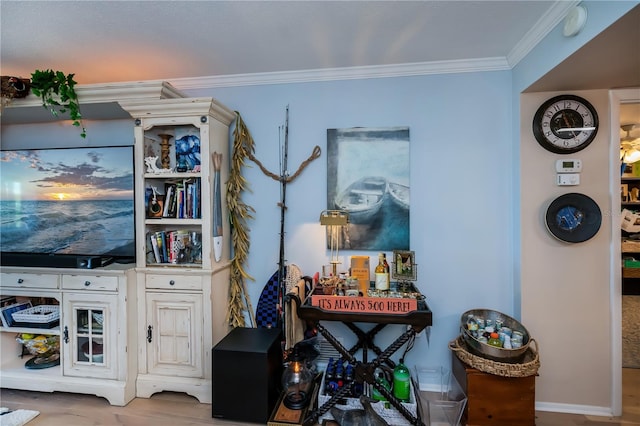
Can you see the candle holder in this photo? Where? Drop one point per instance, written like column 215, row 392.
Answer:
column 165, row 147
column 296, row 381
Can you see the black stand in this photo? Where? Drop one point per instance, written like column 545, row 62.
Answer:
column 364, row 370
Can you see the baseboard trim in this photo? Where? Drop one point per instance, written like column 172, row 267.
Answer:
column 587, row 410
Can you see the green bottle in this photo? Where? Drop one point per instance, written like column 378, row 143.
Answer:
column 375, row 393
column 402, row 382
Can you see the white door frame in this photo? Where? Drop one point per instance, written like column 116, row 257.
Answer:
column 616, row 97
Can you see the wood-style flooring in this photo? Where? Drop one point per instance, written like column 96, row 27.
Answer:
column 176, row 409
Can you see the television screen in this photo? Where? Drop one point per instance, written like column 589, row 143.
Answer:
column 68, row 201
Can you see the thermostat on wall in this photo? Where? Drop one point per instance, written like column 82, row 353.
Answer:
column 569, row 166
column 568, row 179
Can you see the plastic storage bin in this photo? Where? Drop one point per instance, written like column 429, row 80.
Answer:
column 442, row 398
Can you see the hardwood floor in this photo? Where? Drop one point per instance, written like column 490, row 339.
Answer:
column 176, row 409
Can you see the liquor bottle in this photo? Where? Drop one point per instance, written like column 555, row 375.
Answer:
column 386, row 270
column 339, row 375
column 402, row 382
column 381, row 277
column 329, row 377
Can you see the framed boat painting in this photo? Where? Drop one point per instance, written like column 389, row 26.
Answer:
column 368, row 177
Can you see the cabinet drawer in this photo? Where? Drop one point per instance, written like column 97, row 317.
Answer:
column 18, row 280
column 179, row 282
column 89, row 282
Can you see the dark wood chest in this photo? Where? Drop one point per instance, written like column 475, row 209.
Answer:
column 495, row 400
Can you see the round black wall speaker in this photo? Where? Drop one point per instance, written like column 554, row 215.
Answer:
column 573, row 218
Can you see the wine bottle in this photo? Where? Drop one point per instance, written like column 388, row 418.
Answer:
column 381, row 277
column 386, row 270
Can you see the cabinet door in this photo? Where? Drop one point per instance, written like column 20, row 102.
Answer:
column 174, row 334
column 89, row 335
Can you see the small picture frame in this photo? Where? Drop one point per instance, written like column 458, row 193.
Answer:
column 404, row 265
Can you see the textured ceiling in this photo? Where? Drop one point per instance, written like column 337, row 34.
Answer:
column 113, row 41
column 181, row 41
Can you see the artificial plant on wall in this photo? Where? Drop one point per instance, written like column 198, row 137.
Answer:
column 239, row 214
column 58, row 94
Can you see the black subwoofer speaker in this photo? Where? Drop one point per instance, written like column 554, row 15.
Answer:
column 247, row 370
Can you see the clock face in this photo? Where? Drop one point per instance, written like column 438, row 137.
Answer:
column 573, row 218
column 565, row 124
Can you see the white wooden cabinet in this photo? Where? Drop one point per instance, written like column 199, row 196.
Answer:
column 183, row 290
column 89, row 337
column 176, row 341
column 97, row 349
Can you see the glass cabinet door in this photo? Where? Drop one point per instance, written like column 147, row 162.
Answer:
column 89, row 335
column 89, row 342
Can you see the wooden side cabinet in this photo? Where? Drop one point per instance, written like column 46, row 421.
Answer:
column 495, row 400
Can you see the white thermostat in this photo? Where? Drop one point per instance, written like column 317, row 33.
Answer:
column 569, row 166
column 568, row 179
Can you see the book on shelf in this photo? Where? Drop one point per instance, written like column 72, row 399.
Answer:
column 175, row 246
column 168, row 199
column 187, row 199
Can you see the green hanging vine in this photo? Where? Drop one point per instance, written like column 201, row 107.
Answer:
column 239, row 214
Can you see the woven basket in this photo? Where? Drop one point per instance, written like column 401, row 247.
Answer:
column 528, row 367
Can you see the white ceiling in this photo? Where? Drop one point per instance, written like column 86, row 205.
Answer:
column 203, row 43
column 114, row 41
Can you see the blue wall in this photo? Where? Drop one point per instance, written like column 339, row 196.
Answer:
column 460, row 183
column 465, row 173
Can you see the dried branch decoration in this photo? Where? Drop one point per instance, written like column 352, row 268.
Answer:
column 239, row 214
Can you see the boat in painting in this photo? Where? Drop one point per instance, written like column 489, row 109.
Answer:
column 399, row 195
column 363, row 198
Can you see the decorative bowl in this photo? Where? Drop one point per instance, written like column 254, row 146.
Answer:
column 41, row 346
column 492, row 352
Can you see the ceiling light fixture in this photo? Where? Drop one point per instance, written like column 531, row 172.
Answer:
column 629, row 152
column 574, row 21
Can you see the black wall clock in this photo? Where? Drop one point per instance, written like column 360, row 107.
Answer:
column 573, row 218
column 565, row 124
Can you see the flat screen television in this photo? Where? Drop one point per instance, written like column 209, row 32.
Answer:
column 62, row 204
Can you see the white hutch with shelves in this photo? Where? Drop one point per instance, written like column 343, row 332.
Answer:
column 161, row 318
column 98, row 345
column 182, row 290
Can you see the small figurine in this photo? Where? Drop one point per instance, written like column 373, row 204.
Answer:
column 152, row 167
column 151, row 164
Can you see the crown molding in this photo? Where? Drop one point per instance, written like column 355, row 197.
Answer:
column 351, row 73
column 547, row 22
column 543, row 26
column 178, row 107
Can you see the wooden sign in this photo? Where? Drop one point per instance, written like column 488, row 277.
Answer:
column 370, row 305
